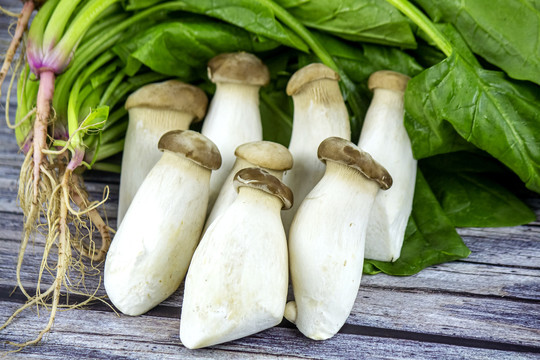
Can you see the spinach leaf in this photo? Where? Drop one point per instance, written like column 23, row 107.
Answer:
column 475, row 161
column 470, row 193
column 430, row 237
column 163, row 47
column 372, row 21
column 253, row 16
column 485, row 108
column 495, row 34
column 364, row 59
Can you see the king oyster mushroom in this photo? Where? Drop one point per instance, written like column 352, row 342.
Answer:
column 319, row 112
column 326, row 239
column 237, row 281
column 385, row 138
column 233, row 117
column 271, row 156
column 152, row 248
column 153, row 110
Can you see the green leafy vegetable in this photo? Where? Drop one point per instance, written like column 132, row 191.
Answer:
column 486, row 109
column 507, row 36
column 371, row 20
column 163, row 47
column 254, row 16
column 466, row 186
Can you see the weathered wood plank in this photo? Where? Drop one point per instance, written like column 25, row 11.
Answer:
column 452, row 278
column 158, row 338
column 428, row 311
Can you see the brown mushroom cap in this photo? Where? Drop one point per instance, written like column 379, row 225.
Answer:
column 239, row 67
column 266, row 154
column 386, row 79
column 261, row 179
column 193, row 145
column 308, row 74
column 345, row 152
column 170, row 95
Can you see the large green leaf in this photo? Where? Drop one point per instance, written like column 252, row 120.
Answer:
column 370, row 20
column 430, row 237
column 163, row 48
column 253, row 16
column 506, row 33
column 470, row 191
column 484, row 107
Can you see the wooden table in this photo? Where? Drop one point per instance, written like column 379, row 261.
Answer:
column 486, row 306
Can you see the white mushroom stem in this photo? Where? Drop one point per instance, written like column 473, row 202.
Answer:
column 152, row 248
column 385, row 138
column 237, row 281
column 227, row 195
column 267, row 155
column 327, row 238
column 319, row 112
column 327, row 258
column 154, row 109
column 145, row 127
column 233, row 119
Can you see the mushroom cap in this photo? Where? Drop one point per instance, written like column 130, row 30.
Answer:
column 266, row 154
column 386, row 79
column 258, row 178
column 239, row 68
column 193, row 145
column 170, row 95
column 307, row 74
column 345, row 152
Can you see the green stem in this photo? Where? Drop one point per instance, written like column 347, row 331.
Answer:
column 108, row 19
column 57, row 23
column 114, row 117
column 73, row 114
column 111, row 88
column 59, row 143
column 286, row 18
column 109, row 167
column 102, row 27
column 23, row 106
column 65, row 81
column 39, row 24
column 114, row 132
column 108, row 150
column 86, row 17
column 85, row 95
column 106, row 136
column 132, row 84
column 105, row 74
column 424, row 23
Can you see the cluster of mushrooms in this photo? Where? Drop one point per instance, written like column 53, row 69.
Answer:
column 210, row 204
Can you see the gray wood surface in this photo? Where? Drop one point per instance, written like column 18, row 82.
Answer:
column 485, row 306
